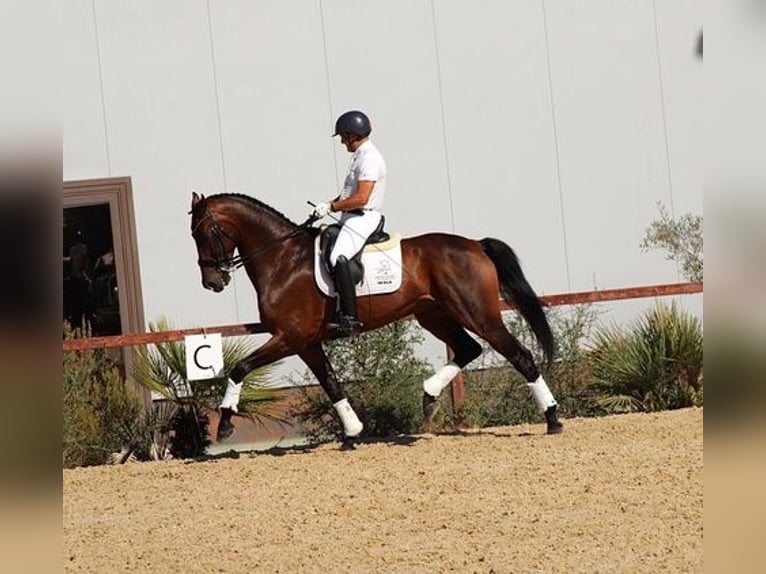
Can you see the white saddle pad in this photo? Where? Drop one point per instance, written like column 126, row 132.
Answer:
column 382, row 268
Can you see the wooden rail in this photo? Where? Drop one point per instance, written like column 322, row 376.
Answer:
column 255, row 328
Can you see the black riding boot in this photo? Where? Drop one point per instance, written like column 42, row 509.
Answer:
column 346, row 321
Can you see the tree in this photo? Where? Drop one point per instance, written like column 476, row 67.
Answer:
column 682, row 239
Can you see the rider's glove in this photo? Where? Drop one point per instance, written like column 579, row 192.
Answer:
column 322, row 209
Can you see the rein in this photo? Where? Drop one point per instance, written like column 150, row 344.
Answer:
column 229, row 264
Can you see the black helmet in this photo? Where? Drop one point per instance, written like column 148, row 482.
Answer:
column 354, row 122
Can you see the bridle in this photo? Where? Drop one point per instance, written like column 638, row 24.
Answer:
column 224, row 264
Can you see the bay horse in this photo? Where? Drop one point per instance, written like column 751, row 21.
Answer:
column 450, row 284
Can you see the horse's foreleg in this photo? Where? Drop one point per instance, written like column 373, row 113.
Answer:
column 272, row 350
column 316, row 360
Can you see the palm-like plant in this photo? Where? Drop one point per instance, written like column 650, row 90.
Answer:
column 655, row 365
column 161, row 368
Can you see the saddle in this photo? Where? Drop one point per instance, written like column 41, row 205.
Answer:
column 328, row 238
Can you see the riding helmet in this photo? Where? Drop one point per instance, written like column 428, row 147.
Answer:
column 354, row 122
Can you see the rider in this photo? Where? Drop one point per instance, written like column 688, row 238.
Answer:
column 360, row 203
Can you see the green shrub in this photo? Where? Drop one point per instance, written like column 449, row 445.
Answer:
column 99, row 409
column 382, row 378
column 497, row 394
column 654, row 365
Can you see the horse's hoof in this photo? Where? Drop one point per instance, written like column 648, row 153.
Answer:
column 347, row 444
column 224, row 431
column 430, row 406
column 225, row 426
column 556, row 428
column 552, row 420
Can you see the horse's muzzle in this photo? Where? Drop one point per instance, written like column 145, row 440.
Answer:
column 217, row 281
column 212, row 285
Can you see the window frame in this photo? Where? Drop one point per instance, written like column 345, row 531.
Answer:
column 117, row 192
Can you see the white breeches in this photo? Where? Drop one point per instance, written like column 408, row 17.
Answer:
column 353, row 234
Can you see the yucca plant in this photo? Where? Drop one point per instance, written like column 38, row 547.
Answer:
column 161, row 368
column 654, row 365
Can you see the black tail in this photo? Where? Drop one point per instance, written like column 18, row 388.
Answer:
column 516, row 291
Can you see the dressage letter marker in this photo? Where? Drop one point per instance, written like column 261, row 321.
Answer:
column 204, row 356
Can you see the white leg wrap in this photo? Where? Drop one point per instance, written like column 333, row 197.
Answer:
column 542, row 394
column 435, row 385
column 352, row 426
column 231, row 397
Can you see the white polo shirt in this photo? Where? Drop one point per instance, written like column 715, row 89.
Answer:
column 367, row 164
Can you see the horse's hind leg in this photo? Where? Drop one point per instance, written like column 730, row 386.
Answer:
column 465, row 349
column 487, row 322
column 316, row 360
column 520, row 357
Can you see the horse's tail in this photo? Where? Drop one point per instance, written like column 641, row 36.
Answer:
column 516, row 290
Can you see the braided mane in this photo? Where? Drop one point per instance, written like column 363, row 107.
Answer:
column 264, row 208
column 258, row 204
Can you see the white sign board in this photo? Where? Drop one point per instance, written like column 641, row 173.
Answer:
column 204, row 356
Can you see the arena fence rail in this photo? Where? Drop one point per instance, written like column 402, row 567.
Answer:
column 458, row 387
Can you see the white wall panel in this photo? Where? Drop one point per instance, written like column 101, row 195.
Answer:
column 84, row 138
column 608, row 113
column 163, row 131
column 274, row 105
column 679, row 24
column 382, row 59
column 275, row 112
column 241, row 96
column 682, row 85
column 500, row 131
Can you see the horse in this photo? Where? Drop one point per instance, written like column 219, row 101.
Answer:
column 450, row 285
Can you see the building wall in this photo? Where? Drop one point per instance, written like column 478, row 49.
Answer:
column 555, row 126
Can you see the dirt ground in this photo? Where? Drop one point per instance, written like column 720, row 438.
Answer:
column 617, row 494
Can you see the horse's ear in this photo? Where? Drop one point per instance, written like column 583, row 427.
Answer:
column 196, row 198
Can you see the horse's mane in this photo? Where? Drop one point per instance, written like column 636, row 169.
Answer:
column 257, row 203
column 261, row 206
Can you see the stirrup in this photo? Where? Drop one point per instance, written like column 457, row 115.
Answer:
column 345, row 325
